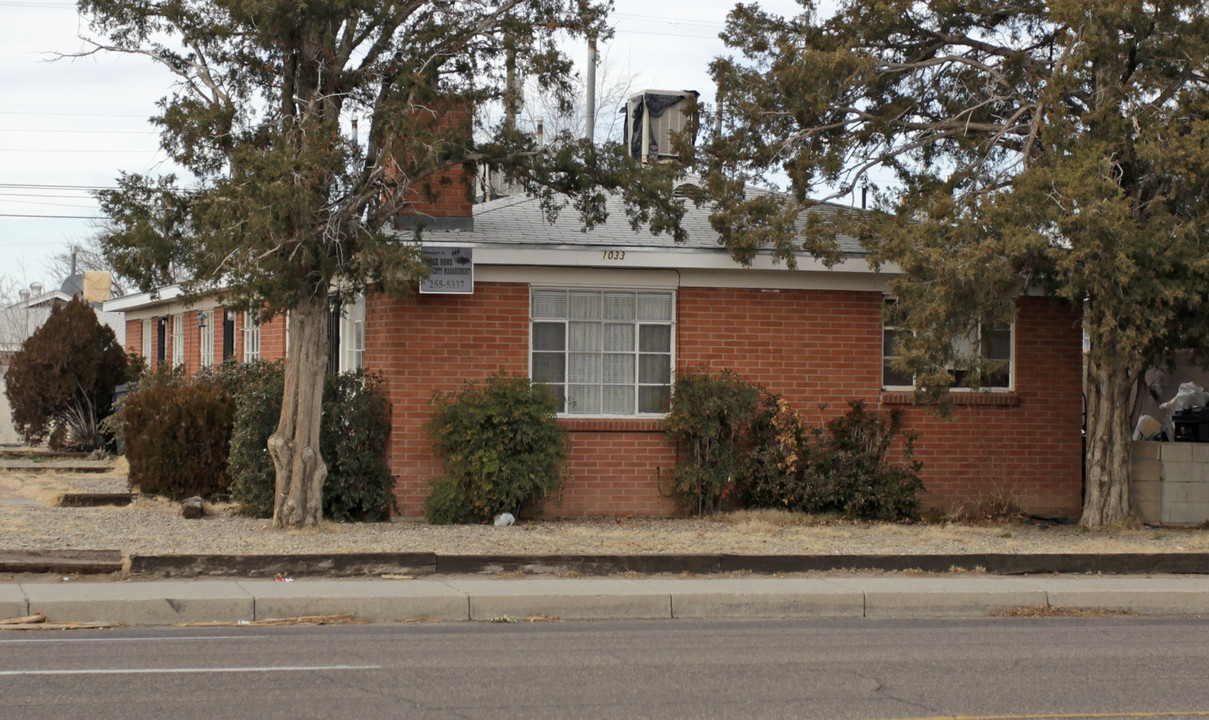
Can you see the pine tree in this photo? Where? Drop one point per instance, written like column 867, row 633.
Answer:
column 62, row 380
column 1013, row 146
column 283, row 205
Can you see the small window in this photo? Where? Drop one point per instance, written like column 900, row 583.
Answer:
column 178, row 340
column 603, row 352
column 352, row 335
column 145, row 351
column 205, row 321
column 251, row 336
column 994, row 343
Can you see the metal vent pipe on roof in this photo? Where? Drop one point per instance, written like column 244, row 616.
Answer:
column 590, row 100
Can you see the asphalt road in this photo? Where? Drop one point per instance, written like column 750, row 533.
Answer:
column 992, row 668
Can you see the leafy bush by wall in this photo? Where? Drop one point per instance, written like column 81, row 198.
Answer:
column 177, row 439
column 356, row 423
column 502, row 447
column 709, row 423
column 256, row 388
column 734, row 435
column 851, row 474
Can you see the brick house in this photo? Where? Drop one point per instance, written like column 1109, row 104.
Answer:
column 607, row 316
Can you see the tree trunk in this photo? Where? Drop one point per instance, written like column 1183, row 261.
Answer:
column 1107, row 456
column 295, row 446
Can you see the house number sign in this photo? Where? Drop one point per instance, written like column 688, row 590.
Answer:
column 450, row 271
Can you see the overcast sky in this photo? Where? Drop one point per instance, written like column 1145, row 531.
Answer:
column 72, row 125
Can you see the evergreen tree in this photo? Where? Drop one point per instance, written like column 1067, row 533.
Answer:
column 61, row 381
column 284, row 206
column 1032, row 144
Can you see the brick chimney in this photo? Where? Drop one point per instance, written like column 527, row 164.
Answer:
column 442, row 200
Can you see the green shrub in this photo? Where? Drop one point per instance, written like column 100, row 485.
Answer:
column 732, row 435
column 851, row 474
column 256, row 388
column 842, row 469
column 356, row 423
column 177, row 439
column 780, row 449
column 710, row 424
column 502, row 447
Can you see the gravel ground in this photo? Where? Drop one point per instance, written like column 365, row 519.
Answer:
column 154, row 526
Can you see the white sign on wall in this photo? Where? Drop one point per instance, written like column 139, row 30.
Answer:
column 450, row 270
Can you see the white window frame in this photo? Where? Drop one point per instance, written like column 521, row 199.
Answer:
column 178, row 340
column 146, row 340
column 251, row 336
column 205, row 339
column 657, row 391
column 352, row 335
column 972, row 341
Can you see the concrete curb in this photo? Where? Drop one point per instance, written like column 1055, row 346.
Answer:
column 462, row 599
column 425, row 563
column 366, row 564
column 61, row 562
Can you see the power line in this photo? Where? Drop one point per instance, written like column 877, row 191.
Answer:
column 38, row 5
column 100, row 132
column 668, row 20
column 38, row 199
column 619, row 31
column 129, row 151
column 47, row 204
column 35, row 186
column 69, row 114
column 53, row 217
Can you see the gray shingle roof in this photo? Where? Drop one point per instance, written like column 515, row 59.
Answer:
column 517, row 220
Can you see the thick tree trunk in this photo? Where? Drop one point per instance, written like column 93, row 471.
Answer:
column 295, row 446
column 1110, row 392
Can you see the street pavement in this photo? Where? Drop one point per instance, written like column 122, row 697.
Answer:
column 493, row 599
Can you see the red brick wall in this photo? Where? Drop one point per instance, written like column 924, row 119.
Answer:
column 814, row 347
column 824, row 347
column 445, row 193
column 272, row 338
column 425, row 343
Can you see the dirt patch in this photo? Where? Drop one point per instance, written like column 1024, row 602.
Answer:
column 154, row 526
column 1042, row 611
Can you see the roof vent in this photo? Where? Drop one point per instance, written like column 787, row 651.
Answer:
column 650, row 119
column 688, row 190
column 35, row 288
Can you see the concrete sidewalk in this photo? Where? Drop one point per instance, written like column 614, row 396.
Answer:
column 468, row 598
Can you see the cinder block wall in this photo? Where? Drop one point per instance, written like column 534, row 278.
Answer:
column 1169, row 482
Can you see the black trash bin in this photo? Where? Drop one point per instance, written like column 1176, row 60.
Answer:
column 1192, row 425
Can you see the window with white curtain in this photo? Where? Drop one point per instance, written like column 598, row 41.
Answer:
column 352, row 335
column 178, row 340
column 206, row 341
column 146, row 349
column 251, row 336
column 604, row 352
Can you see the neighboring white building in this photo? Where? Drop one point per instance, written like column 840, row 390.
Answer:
column 21, row 319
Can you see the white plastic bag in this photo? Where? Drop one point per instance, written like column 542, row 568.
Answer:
column 1190, row 395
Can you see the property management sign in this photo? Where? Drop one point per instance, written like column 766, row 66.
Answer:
column 451, row 270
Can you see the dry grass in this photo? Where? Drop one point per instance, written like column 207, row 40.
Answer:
column 154, row 526
column 1057, row 611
